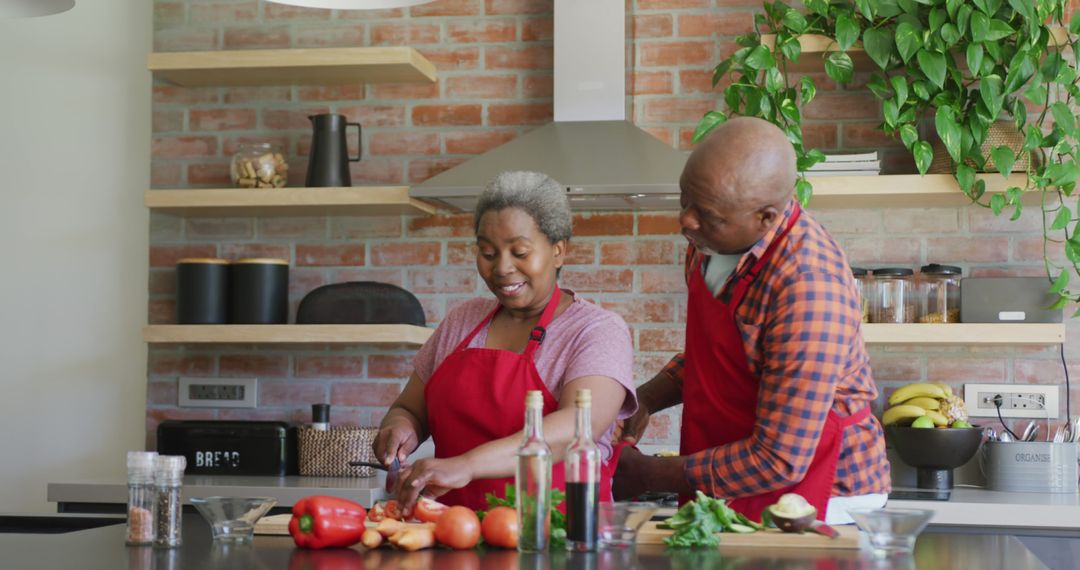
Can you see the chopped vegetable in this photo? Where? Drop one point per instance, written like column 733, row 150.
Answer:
column 697, row 523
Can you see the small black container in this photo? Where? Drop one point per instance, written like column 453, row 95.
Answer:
column 202, row 291
column 259, row 291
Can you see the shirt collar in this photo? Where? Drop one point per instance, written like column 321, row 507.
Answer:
column 758, row 249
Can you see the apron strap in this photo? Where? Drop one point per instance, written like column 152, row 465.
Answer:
column 464, row 343
column 847, row 421
column 537, row 334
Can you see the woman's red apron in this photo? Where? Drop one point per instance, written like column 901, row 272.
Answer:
column 478, row 395
column 720, row 392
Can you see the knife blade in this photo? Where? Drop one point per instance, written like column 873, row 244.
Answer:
column 824, row 530
column 391, row 471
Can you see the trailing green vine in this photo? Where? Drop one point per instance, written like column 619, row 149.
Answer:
column 965, row 63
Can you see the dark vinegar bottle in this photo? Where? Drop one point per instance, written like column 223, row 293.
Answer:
column 582, row 465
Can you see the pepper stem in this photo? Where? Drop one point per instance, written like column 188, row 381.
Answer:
column 306, row 523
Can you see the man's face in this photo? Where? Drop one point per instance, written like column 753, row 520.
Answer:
column 712, row 221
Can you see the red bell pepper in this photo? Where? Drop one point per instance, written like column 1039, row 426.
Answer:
column 326, row 522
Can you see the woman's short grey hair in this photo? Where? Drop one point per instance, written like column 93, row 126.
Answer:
column 536, row 194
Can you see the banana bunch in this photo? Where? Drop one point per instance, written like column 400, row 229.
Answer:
column 933, row 400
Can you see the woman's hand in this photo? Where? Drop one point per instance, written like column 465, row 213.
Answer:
column 433, row 477
column 397, row 438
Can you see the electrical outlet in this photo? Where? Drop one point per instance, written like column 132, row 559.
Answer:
column 1017, row 400
column 217, row 392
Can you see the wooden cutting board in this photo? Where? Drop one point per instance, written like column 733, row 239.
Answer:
column 273, row 524
column 770, row 538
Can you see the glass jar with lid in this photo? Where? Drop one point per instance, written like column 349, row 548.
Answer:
column 862, row 284
column 893, row 299
column 939, row 294
column 258, row 165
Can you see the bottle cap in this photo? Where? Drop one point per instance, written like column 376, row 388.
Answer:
column 534, row 399
column 140, row 460
column 584, row 397
column 170, row 463
column 320, row 413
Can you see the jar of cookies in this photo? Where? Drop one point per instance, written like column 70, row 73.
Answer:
column 258, row 165
column 939, row 294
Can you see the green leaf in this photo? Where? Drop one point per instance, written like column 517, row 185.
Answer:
column 899, row 85
column 1004, row 158
column 1074, row 23
column 1062, row 116
column 774, row 80
column 1059, row 304
column 952, row 6
column 878, row 44
column 891, row 112
column 1013, row 195
column 1036, row 93
column 794, row 21
column 980, row 27
column 1032, row 138
column 1062, row 219
column 803, row 190
column 867, row 8
column 965, row 177
column 937, row 18
column 981, row 5
column 909, row 135
column 1061, row 282
column 790, row 110
column 924, row 155
column 933, row 65
column 1062, row 173
column 997, row 203
column 1025, row 7
column 963, row 17
column 948, row 130
column 839, row 67
column 950, row 34
column 721, row 70
column 791, row 48
column 847, row 31
column 807, row 90
column 974, row 58
column 878, row 86
column 990, row 92
column 819, row 7
column 760, row 58
column 1017, row 210
column 710, row 121
column 980, row 189
column 920, row 90
column 908, row 40
column 999, row 30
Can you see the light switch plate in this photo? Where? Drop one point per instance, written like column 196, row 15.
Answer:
column 218, row 392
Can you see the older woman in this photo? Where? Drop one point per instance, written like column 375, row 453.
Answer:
column 468, row 387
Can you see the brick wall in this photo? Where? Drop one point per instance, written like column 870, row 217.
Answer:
column 494, row 61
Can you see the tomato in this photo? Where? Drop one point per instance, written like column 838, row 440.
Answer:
column 384, row 510
column 500, row 527
column 458, row 528
column 392, row 511
column 428, row 510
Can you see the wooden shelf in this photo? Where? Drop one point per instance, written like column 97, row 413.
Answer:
column 965, row 333
column 226, row 202
column 287, row 334
column 325, row 66
column 899, row 190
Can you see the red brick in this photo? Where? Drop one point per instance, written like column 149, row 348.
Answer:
column 842, row 106
column 235, row 251
column 214, row 174
column 453, row 225
column 331, row 36
column 253, row 365
column 527, row 58
column 186, row 40
column 291, row 393
column 983, row 220
column 693, row 81
column 391, row 276
column 538, row 30
column 615, row 224
column 651, row 83
column 180, row 365
column 537, row 86
column 686, row 138
column 643, row 311
column 389, row 366
column 482, row 31
column 168, row 14
column 219, row 228
column 820, row 136
column 598, row 280
column 662, row 339
column 461, row 253
column 182, row 147
column 218, row 12
column 304, row 280
column 396, row 143
column 331, row 92
column 965, row 249
column 272, row 11
column 845, row 221
column 482, row 87
column 413, row 253
column 1044, row 371
column 161, row 311
column 580, row 253
column 503, row 7
column 168, row 255
column 164, row 121
column 440, row 8
column 1008, row 271
column 722, row 24
column 161, row 393
column 921, row 221
column 666, row 223
column 259, row 37
column 375, row 115
column 364, row 393
column 164, row 227
column 965, row 369
column 679, row 53
column 164, row 175
column 883, row 251
column 651, row 252
column 291, row 119
column 895, row 368
column 446, row 115
column 442, row 280
column 365, row 227
column 421, row 170
column 456, row 59
column 386, row 14
column 669, row 280
column 338, row 366
column 232, row 144
column 476, row 142
column 301, row 227
column 652, row 26
column 300, row 415
column 669, row 4
column 323, row 255
column 162, row 282
column 865, row 135
column 676, row 110
column 1031, row 249
column 404, row 34
column 527, row 114
column 221, row 119
column 660, row 428
column 400, row 91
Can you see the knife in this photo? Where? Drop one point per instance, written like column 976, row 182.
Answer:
column 391, row 471
column 824, row 529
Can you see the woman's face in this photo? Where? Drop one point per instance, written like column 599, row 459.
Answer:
column 516, row 260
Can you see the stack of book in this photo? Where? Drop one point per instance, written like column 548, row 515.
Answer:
column 866, row 164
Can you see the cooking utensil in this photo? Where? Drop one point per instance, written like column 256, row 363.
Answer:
column 824, row 529
column 391, row 472
column 1030, row 432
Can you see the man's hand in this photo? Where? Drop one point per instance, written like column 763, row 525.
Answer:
column 638, row 473
column 628, row 481
column 632, row 429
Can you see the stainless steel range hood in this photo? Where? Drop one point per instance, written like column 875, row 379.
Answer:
column 605, row 161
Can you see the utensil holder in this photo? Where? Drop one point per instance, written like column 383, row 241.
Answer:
column 328, row 453
column 1032, row 466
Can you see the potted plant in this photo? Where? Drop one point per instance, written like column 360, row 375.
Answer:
column 965, row 64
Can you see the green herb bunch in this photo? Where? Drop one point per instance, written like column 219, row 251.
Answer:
column 697, row 523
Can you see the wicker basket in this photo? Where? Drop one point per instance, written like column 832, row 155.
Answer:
column 999, row 133
column 328, row 453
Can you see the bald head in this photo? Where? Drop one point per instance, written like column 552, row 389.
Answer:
column 746, row 161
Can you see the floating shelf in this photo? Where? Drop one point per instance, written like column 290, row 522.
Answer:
column 965, row 333
column 324, row 66
column 900, row 190
column 226, row 202
column 287, row 334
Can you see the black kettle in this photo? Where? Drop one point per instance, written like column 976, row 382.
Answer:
column 328, row 162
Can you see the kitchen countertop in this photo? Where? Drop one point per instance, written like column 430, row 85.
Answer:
column 971, row 506
column 103, row 548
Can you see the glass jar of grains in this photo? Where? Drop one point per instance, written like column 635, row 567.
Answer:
column 258, row 165
column 893, row 299
column 939, row 294
column 862, row 285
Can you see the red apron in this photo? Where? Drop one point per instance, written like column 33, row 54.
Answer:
column 478, row 395
column 720, row 392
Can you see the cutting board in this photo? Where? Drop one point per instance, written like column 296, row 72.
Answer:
column 273, row 524
column 770, row 538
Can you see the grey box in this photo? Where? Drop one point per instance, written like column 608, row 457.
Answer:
column 1031, row 466
column 1007, row 300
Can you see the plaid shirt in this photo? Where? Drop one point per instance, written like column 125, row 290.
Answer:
column 805, row 345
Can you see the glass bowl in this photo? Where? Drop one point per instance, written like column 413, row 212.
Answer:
column 232, row 519
column 618, row 523
column 891, row 531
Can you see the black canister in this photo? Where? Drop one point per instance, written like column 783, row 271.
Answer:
column 202, row 291
column 259, row 292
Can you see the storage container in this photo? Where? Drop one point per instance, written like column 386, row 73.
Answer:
column 202, row 291
column 893, row 299
column 259, row 292
column 862, row 283
column 229, row 447
column 939, row 294
column 1031, row 466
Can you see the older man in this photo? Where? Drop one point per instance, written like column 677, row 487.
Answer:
column 774, row 380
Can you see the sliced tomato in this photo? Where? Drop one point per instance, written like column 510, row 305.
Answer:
column 428, row 510
column 382, row 510
column 392, row 511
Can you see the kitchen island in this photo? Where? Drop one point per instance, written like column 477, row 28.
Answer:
column 103, row 548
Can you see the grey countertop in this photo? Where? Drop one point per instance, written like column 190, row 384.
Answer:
column 970, row 506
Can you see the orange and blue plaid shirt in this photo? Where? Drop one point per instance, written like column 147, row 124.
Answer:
column 800, row 323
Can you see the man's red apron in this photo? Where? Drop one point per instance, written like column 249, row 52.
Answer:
column 478, row 395
column 720, row 392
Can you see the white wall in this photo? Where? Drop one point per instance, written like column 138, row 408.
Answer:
column 74, row 160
